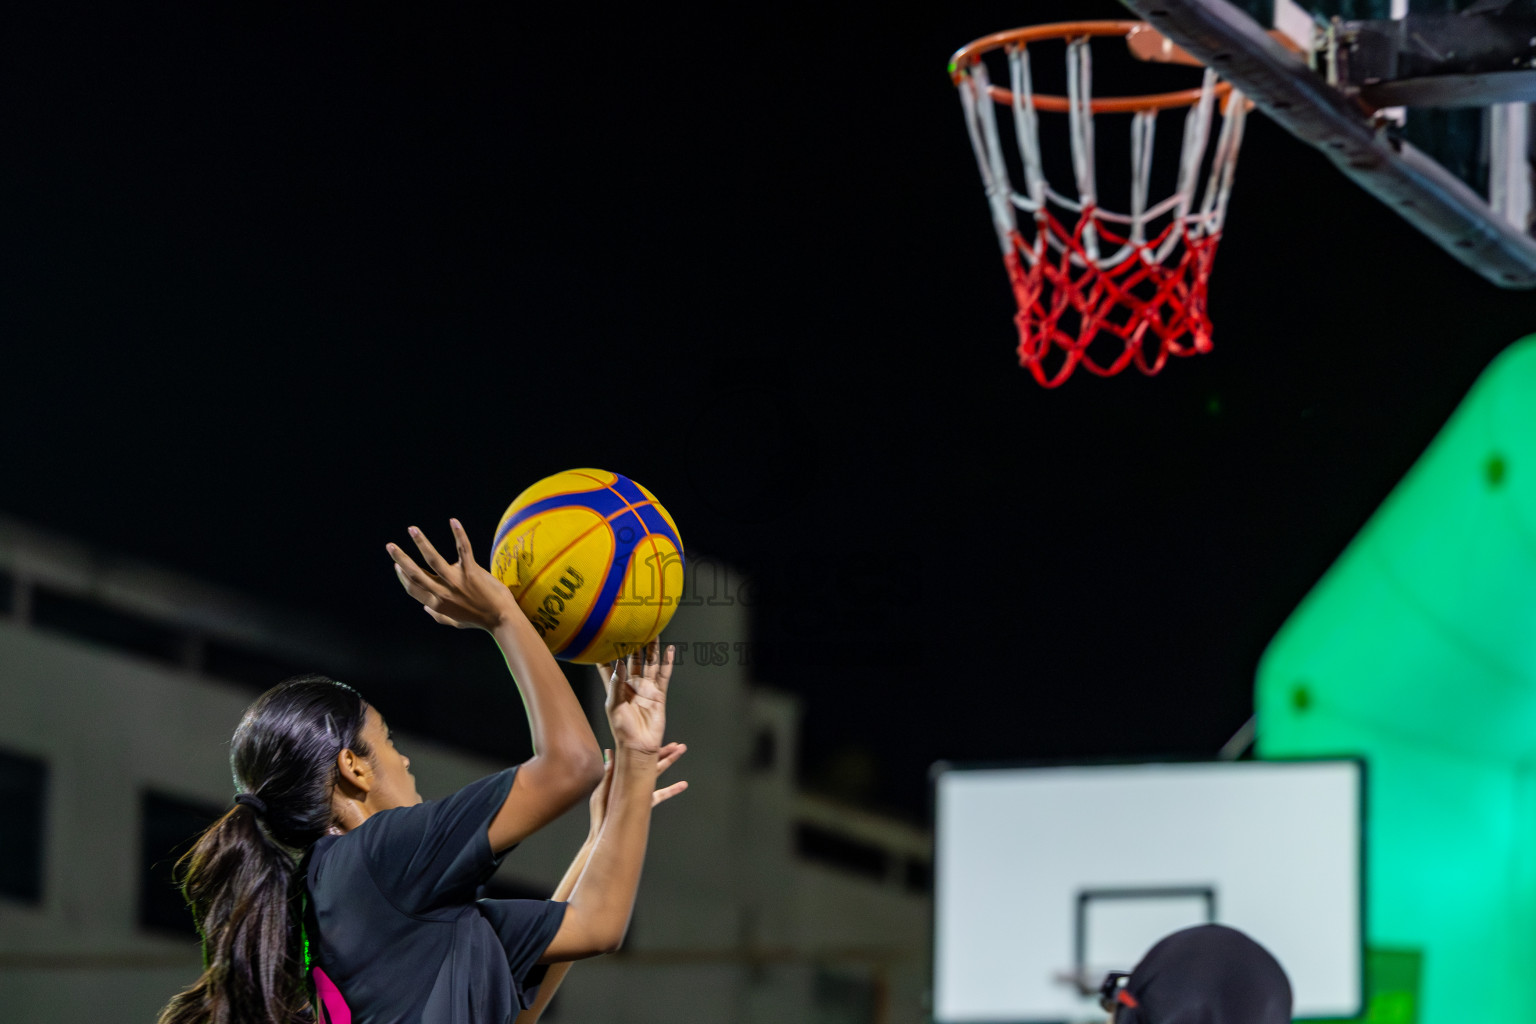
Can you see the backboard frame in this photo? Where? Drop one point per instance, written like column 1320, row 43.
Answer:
column 1363, row 779
column 1362, row 146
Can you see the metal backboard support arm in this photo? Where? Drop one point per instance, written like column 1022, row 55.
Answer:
column 1301, row 101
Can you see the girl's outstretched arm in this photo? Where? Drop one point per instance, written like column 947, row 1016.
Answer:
column 566, row 763
column 600, row 905
column 557, row 972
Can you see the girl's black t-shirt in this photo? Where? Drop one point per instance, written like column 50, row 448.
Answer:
column 393, row 920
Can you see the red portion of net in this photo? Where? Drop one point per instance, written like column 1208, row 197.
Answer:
column 1138, row 311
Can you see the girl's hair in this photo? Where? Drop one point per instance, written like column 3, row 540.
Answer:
column 241, row 878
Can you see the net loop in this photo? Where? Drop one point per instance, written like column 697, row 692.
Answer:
column 1096, row 288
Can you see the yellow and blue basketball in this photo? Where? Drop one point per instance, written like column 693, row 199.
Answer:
column 595, row 563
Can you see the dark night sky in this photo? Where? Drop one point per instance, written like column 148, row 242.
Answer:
column 278, row 281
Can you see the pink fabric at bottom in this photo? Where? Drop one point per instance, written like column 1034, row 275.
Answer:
column 336, row 1009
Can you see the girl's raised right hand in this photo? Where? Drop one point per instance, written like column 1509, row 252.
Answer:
column 463, row 595
column 637, row 698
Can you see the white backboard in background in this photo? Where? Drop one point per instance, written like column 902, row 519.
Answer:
column 1047, row 871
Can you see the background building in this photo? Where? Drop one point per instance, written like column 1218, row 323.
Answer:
column 120, row 685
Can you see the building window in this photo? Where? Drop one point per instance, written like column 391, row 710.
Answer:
column 839, row 998
column 765, row 750
column 917, row 875
column 838, row 851
column 23, row 817
column 170, row 827
column 89, row 620
column 239, row 664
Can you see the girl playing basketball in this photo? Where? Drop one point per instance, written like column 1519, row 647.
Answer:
column 329, row 859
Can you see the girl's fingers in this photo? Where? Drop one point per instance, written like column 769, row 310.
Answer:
column 662, row 795
column 664, row 670
column 420, row 590
column 401, row 559
column 461, row 543
column 409, row 570
column 652, row 658
column 429, row 553
column 615, row 682
column 404, row 583
column 441, row 618
column 669, row 755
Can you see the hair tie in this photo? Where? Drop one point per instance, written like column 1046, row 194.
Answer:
column 255, row 803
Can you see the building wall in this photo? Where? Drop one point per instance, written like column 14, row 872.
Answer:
column 732, row 924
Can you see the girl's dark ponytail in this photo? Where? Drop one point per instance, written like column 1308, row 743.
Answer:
column 244, row 894
column 241, row 878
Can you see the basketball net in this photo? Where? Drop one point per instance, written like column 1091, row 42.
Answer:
column 1104, row 290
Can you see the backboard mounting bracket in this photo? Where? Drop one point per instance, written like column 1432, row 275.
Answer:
column 1361, row 146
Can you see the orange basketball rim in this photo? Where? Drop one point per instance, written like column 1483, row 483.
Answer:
column 1094, row 287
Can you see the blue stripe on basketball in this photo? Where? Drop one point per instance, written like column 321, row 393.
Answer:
column 629, row 489
column 599, row 499
column 657, row 524
column 597, row 611
column 653, row 520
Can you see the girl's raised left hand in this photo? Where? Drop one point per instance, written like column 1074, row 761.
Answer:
column 463, row 595
column 598, row 805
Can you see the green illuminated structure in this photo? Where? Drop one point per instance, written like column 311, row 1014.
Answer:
column 1417, row 650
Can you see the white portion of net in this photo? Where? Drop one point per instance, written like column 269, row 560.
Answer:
column 1199, row 211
